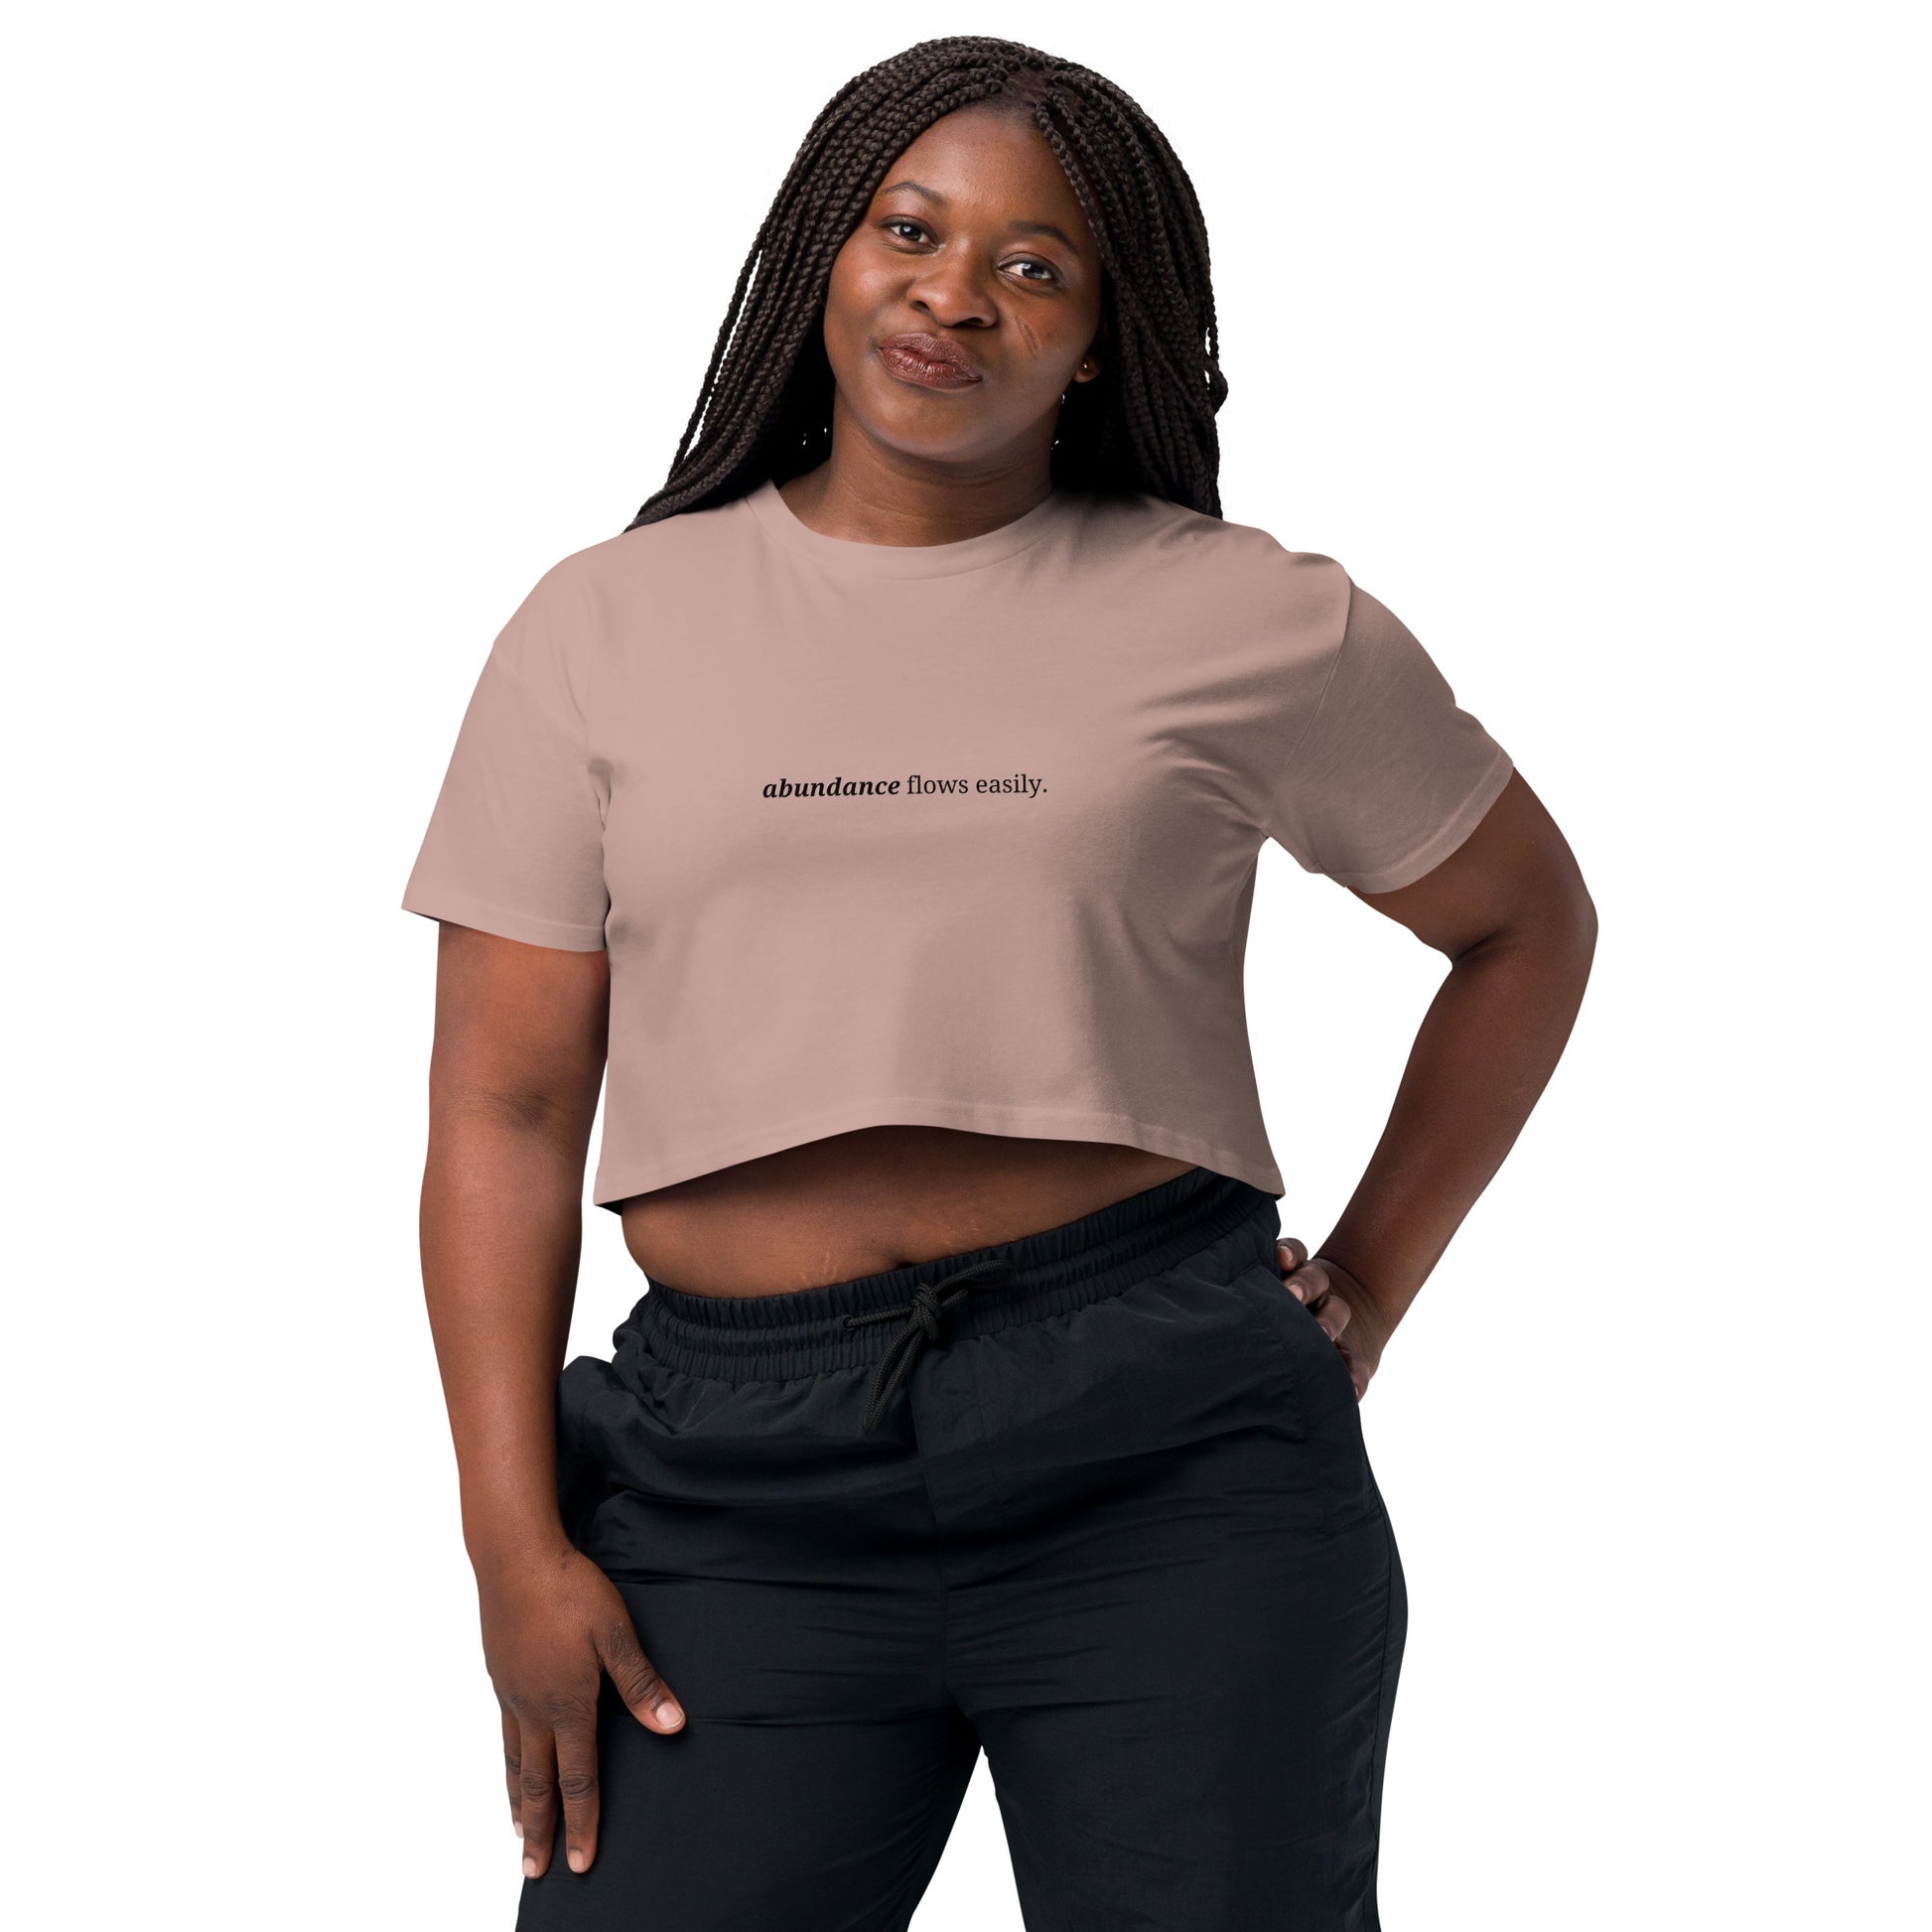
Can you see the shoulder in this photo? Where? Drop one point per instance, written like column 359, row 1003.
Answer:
column 612, row 588
column 1238, row 567
column 660, row 555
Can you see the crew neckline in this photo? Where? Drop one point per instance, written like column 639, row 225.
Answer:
column 780, row 522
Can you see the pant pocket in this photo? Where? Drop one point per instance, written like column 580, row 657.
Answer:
column 1323, row 1392
column 1321, row 1360
column 1261, row 1295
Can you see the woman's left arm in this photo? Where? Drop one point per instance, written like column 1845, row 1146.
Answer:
column 1509, row 910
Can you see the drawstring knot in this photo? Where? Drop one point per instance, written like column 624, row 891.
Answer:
column 923, row 1325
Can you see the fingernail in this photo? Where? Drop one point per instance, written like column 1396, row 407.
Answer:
column 516, row 1825
column 530, row 1867
column 668, row 1712
column 1298, row 1291
column 577, row 1861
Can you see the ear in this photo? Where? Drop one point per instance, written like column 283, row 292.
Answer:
column 1099, row 350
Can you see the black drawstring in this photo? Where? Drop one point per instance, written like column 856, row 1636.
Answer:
column 923, row 1312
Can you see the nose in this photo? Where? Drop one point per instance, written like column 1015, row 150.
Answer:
column 952, row 289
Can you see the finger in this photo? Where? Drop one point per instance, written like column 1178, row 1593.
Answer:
column 538, row 1780
column 1309, row 1283
column 513, row 1761
column 1332, row 1312
column 1323, row 1295
column 575, row 1737
column 1294, row 1253
column 645, row 1695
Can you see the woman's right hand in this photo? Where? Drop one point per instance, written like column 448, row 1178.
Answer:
column 551, row 1629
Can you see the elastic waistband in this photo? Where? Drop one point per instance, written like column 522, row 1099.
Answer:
column 767, row 1337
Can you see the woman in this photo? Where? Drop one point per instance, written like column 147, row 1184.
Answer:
column 877, row 815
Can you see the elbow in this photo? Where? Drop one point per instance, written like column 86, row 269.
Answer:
column 519, row 1114
column 1555, row 926
column 1580, row 923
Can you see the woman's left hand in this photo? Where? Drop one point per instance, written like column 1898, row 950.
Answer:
column 1340, row 1304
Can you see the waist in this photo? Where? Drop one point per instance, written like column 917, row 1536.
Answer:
column 1049, row 1271
column 873, row 1200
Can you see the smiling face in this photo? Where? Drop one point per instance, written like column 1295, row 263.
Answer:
column 966, row 299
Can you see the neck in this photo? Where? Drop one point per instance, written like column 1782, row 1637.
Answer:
column 866, row 492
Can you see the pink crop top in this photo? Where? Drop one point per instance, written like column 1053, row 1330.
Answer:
column 961, row 835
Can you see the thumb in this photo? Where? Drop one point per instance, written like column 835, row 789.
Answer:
column 647, row 1696
column 1291, row 1254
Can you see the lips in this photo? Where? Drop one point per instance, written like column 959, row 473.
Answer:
column 929, row 360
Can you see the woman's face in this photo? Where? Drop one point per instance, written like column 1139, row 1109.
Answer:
column 963, row 303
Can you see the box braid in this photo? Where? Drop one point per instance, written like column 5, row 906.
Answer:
column 1145, row 422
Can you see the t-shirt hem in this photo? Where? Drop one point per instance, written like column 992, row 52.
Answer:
column 618, row 1184
column 1425, row 857
column 460, row 909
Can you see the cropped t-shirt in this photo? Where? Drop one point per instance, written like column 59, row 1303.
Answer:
column 958, row 835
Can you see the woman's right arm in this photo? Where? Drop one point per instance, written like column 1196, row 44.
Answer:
column 514, row 1072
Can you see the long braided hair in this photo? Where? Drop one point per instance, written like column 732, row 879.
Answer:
column 1146, row 422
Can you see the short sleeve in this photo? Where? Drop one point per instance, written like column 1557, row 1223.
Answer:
column 515, row 843
column 1390, row 774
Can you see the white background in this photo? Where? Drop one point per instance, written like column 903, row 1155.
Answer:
column 1579, row 334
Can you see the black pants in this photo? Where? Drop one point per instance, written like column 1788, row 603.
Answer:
column 1113, row 1523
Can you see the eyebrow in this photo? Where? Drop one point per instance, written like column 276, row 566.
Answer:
column 1019, row 228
